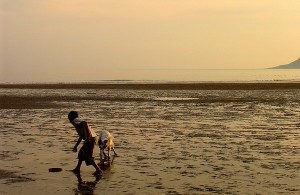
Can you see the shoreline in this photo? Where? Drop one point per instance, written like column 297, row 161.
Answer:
column 160, row 86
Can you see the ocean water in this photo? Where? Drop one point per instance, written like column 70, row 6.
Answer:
column 204, row 75
column 180, row 75
column 169, row 142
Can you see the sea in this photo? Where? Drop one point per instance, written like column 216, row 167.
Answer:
column 176, row 75
column 201, row 75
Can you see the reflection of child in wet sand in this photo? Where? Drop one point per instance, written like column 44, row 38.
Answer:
column 86, row 187
column 89, row 136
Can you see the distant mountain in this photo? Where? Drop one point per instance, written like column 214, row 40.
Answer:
column 292, row 65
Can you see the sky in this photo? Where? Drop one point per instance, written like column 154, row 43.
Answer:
column 79, row 40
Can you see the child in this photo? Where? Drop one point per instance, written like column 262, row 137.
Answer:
column 89, row 136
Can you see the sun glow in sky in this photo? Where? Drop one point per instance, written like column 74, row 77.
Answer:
column 54, row 40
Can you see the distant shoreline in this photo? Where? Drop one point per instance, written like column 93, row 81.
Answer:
column 161, row 86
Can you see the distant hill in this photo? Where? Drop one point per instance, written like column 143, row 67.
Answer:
column 292, row 65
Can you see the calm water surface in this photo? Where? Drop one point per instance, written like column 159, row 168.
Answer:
column 209, row 75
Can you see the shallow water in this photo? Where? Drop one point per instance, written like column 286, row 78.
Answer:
column 169, row 142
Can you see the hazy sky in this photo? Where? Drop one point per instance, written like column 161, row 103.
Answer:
column 67, row 40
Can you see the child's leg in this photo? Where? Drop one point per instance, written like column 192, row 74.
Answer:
column 98, row 170
column 77, row 168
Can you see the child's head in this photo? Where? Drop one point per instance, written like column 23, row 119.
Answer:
column 72, row 115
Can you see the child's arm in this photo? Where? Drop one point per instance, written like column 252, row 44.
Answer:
column 77, row 143
column 87, row 130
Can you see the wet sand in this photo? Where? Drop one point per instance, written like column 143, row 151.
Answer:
column 217, row 139
column 19, row 101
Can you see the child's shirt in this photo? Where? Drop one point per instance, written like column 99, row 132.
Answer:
column 84, row 131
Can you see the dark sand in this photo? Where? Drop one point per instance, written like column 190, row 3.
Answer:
column 210, row 138
column 36, row 102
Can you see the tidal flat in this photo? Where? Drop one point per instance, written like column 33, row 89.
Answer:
column 189, row 139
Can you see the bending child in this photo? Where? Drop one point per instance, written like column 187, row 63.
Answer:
column 89, row 136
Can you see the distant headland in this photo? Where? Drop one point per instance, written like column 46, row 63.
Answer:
column 293, row 65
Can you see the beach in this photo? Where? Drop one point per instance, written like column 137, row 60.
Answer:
column 172, row 138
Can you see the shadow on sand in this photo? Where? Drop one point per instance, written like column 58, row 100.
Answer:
column 86, row 187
